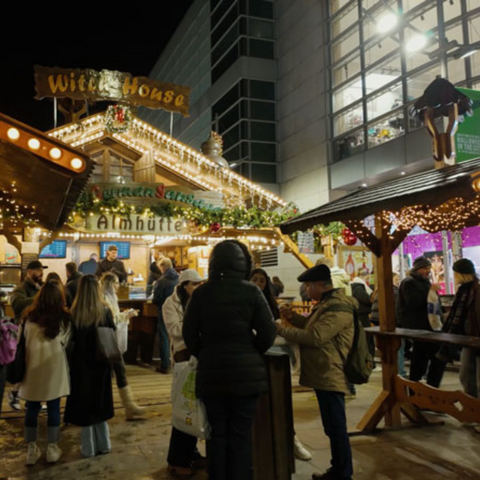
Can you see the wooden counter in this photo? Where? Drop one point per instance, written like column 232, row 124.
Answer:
column 142, row 329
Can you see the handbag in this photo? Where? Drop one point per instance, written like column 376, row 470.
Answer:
column 107, row 345
column 16, row 369
column 188, row 411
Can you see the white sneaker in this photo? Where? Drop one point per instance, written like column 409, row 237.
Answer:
column 54, row 453
column 300, row 451
column 33, row 454
column 14, row 401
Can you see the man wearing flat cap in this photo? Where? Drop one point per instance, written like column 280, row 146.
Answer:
column 412, row 312
column 325, row 338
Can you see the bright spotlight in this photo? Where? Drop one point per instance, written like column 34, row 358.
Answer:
column 387, row 22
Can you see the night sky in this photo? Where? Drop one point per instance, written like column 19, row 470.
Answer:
column 124, row 41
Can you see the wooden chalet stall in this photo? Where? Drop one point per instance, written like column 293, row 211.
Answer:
column 435, row 200
column 41, row 181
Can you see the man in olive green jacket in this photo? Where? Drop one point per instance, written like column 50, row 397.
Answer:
column 325, row 338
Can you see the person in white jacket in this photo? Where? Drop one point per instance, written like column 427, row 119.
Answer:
column 47, row 329
column 182, row 452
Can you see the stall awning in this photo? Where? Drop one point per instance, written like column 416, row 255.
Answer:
column 431, row 188
column 40, row 174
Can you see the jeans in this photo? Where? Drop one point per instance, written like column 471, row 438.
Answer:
column 470, row 371
column 401, row 360
column 53, row 420
column 229, row 450
column 163, row 345
column 423, row 357
column 181, row 451
column 332, row 411
column 3, row 379
column 95, row 440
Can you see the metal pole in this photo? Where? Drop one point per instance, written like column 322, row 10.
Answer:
column 446, row 262
column 55, row 112
column 401, row 262
column 442, row 40
column 171, row 124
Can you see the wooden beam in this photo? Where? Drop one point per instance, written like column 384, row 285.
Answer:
column 366, row 236
column 12, row 239
column 293, row 248
column 376, row 412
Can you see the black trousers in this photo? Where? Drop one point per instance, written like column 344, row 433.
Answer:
column 182, row 448
column 423, row 358
column 120, row 373
column 229, row 450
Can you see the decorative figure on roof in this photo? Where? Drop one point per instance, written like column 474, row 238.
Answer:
column 212, row 148
column 442, row 99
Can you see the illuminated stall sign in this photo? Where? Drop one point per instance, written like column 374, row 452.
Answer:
column 135, row 223
column 110, row 85
column 144, row 193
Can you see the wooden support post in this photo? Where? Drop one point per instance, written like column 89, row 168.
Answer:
column 293, row 248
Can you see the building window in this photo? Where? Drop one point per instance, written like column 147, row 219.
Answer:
column 374, row 79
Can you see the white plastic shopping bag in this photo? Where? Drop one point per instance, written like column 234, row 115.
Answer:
column 122, row 336
column 188, row 411
column 435, row 316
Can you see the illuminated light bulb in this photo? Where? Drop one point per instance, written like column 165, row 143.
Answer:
column 13, row 134
column 387, row 22
column 33, row 144
column 55, row 153
column 76, row 163
column 416, row 43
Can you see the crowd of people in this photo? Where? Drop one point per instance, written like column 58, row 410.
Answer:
column 227, row 323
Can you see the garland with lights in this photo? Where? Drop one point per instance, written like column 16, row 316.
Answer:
column 118, row 118
column 234, row 217
column 13, row 212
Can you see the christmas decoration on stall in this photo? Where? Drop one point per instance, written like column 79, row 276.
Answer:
column 348, row 237
column 215, row 227
column 118, row 118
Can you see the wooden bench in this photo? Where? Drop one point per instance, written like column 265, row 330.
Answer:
column 406, row 397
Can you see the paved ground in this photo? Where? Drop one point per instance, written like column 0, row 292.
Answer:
column 449, row 452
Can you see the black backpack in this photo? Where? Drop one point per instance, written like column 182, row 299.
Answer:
column 358, row 365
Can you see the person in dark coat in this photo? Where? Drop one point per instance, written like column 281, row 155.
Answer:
column 228, row 326
column 90, row 403
column 89, row 267
column 363, row 293
column 412, row 312
column 73, row 279
column 112, row 264
column 154, row 274
column 162, row 289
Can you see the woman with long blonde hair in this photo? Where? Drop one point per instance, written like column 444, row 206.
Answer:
column 90, row 403
column 109, row 284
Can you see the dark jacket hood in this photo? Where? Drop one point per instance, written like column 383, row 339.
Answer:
column 171, row 274
column 229, row 260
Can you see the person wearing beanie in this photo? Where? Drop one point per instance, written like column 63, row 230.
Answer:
column 464, row 319
column 325, row 338
column 412, row 313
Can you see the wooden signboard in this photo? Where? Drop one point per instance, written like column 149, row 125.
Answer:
column 110, row 85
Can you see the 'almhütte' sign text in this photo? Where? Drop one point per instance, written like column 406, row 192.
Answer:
column 135, row 223
column 111, row 86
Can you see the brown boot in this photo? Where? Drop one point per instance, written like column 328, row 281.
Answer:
column 131, row 408
column 180, row 472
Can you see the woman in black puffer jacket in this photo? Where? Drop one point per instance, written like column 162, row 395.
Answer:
column 228, row 326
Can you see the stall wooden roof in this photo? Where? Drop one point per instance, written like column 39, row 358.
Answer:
column 431, row 188
column 51, row 186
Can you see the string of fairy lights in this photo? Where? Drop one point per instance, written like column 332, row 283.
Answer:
column 187, row 161
column 14, row 212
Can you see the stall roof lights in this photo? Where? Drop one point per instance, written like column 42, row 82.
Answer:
column 183, row 151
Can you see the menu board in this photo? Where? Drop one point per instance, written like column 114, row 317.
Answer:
column 123, row 249
column 57, row 249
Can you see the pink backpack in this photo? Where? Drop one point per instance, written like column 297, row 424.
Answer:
column 8, row 341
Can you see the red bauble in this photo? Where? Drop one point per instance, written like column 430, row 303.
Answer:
column 215, row 227
column 348, row 237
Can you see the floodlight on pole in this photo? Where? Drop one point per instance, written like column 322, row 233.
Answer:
column 416, row 43
column 387, row 22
